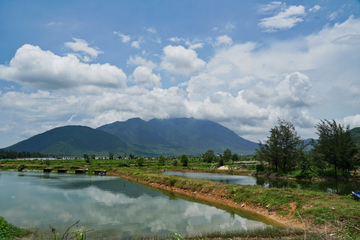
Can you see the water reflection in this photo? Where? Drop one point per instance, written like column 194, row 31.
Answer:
column 341, row 188
column 111, row 206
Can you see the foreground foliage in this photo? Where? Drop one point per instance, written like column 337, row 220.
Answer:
column 9, row 231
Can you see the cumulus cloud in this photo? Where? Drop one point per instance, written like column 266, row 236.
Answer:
column 244, row 86
column 143, row 76
column 45, row 70
column 82, row 46
column 223, row 40
column 269, row 8
column 181, row 61
column 124, row 38
column 315, row 8
column 287, row 18
column 174, row 39
column 151, row 30
column 137, row 60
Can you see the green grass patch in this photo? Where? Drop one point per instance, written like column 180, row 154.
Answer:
column 9, row 231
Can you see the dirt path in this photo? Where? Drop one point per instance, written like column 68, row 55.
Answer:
column 220, row 197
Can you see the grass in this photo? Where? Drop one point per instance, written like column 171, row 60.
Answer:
column 9, row 231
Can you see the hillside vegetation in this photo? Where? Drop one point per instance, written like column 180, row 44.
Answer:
column 176, row 136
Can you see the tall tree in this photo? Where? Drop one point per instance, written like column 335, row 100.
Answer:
column 283, row 147
column 209, row 156
column 227, row 155
column 335, row 145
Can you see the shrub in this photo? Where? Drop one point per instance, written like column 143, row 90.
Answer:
column 161, row 161
column 184, row 160
column 174, row 163
column 260, row 168
column 21, row 167
column 140, row 161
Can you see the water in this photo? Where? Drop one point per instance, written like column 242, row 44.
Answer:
column 111, row 206
column 341, row 188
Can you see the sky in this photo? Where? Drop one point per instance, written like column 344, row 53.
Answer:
column 242, row 64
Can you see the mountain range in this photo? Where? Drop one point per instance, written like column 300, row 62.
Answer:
column 174, row 136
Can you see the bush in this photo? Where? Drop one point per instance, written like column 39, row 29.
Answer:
column 21, row 167
column 140, row 161
column 161, row 161
column 47, row 162
column 260, row 168
column 184, row 160
column 9, row 231
column 174, row 163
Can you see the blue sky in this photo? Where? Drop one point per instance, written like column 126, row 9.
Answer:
column 243, row 64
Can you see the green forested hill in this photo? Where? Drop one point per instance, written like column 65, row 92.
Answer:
column 75, row 141
column 180, row 135
column 355, row 133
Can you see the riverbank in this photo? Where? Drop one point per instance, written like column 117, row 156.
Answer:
column 314, row 211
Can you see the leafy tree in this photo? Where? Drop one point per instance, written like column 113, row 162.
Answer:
column 209, row 156
column 335, row 145
column 131, row 156
column 119, row 157
column 140, row 161
column 161, row 161
column 227, row 155
column 86, row 157
column 283, row 147
column 92, row 156
column 184, row 160
column 111, row 155
column 235, row 157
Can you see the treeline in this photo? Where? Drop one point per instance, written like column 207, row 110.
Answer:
column 12, row 154
column 284, row 150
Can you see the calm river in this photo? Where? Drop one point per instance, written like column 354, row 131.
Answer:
column 111, row 206
column 341, row 188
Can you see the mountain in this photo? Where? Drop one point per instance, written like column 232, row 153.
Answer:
column 75, row 141
column 355, row 133
column 177, row 136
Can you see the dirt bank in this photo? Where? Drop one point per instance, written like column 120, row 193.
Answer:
column 221, row 197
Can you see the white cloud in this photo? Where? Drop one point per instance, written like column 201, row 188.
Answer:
column 245, row 87
column 269, row 8
column 45, row 70
column 196, row 45
column 285, row 19
column 81, row 45
column 315, row 8
column 124, row 38
column 332, row 15
column 151, row 30
column 223, row 40
column 181, row 61
column 143, row 76
column 175, row 39
column 137, row 60
column 135, row 44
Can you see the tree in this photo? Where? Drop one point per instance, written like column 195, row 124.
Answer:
column 86, row 157
column 209, row 156
column 92, row 156
column 235, row 157
column 335, row 145
column 161, row 161
column 184, row 160
column 140, row 161
column 227, row 155
column 111, row 155
column 283, row 147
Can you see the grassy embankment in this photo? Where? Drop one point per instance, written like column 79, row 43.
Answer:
column 339, row 215
column 9, row 231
